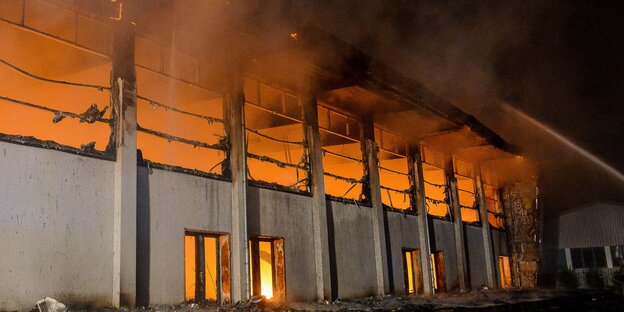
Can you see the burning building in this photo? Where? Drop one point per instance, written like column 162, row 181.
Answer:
column 167, row 151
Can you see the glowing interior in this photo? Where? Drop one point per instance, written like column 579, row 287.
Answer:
column 190, row 272
column 61, row 61
column 210, row 262
column 340, row 135
column 434, row 271
column 276, row 114
column 435, row 175
column 266, row 269
column 464, row 173
column 210, row 267
column 505, row 271
column 157, row 85
column 467, row 199
column 409, row 264
column 494, row 206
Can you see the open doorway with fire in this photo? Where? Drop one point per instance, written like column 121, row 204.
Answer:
column 437, row 271
column 505, row 271
column 206, row 267
column 412, row 271
column 266, row 268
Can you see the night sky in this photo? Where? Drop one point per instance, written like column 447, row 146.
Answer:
column 559, row 62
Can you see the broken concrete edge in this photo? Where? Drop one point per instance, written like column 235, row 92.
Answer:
column 35, row 142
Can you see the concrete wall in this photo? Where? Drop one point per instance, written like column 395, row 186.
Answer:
column 476, row 256
column 402, row 233
column 281, row 214
column 167, row 203
column 56, row 223
column 445, row 242
column 354, row 261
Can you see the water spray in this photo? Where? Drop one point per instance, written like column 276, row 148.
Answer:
column 567, row 142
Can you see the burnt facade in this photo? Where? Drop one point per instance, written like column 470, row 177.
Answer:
column 164, row 152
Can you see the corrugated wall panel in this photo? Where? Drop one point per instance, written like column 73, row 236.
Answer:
column 600, row 224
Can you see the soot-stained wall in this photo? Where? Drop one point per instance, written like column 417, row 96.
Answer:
column 403, row 233
column 445, row 242
column 286, row 215
column 352, row 230
column 167, row 203
column 476, row 256
column 56, row 225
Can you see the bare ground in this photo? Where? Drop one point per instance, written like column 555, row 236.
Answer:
column 488, row 300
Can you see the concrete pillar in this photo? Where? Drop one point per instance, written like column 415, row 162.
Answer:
column 370, row 150
column 319, row 207
column 416, row 168
column 608, row 256
column 235, row 123
column 568, row 256
column 458, row 229
column 123, row 99
column 485, row 231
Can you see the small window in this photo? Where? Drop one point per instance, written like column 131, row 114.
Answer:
column 412, row 271
column 588, row 258
column 266, row 270
column 617, row 255
column 206, row 267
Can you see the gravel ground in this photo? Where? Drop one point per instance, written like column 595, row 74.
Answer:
column 488, row 300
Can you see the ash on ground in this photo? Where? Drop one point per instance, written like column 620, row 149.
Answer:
column 484, row 300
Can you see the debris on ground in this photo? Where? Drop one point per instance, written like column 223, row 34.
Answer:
column 50, row 305
column 477, row 300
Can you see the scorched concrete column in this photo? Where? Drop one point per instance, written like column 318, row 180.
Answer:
column 485, row 230
column 416, row 167
column 458, row 228
column 379, row 232
column 319, row 206
column 123, row 101
column 235, row 120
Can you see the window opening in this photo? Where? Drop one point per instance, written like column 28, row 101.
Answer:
column 505, row 271
column 206, row 274
column 342, row 155
column 180, row 123
column 396, row 189
column 617, row 255
column 464, row 173
column 436, row 190
column 587, row 258
column 494, row 205
column 276, row 151
column 496, row 216
column 412, row 271
column 58, row 99
column 266, row 268
column 437, row 270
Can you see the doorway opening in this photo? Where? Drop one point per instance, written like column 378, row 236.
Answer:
column 206, row 267
column 505, row 271
column 437, row 271
column 412, row 271
column 266, row 269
